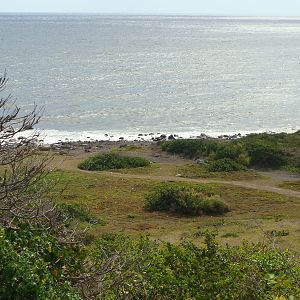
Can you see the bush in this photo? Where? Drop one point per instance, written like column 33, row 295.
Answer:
column 31, row 267
column 265, row 155
column 260, row 150
column 225, row 165
column 148, row 270
column 234, row 151
column 110, row 161
column 185, row 200
column 212, row 272
column 190, row 148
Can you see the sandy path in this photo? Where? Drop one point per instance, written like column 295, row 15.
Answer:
column 257, row 185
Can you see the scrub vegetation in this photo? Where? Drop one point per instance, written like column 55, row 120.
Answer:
column 263, row 150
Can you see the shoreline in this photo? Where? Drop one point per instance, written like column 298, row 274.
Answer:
column 89, row 144
column 49, row 137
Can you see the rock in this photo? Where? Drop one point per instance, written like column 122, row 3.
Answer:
column 171, row 137
column 159, row 138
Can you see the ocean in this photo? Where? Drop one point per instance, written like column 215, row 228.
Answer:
column 106, row 77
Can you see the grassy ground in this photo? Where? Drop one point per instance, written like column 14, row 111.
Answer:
column 191, row 170
column 254, row 216
column 118, row 198
column 291, row 185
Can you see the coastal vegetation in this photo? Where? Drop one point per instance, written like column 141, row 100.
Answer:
column 35, row 266
column 265, row 150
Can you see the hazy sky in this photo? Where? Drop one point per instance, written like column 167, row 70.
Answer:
column 200, row 7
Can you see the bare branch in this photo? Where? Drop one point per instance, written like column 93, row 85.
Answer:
column 24, row 187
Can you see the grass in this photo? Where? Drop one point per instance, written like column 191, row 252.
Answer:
column 81, row 213
column 129, row 148
column 114, row 198
column 230, row 235
column 291, row 185
column 200, row 171
column 190, row 170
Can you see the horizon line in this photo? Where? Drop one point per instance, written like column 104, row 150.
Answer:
column 145, row 14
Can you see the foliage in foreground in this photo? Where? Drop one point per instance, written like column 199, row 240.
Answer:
column 31, row 267
column 109, row 161
column 185, row 200
column 34, row 266
column 148, row 270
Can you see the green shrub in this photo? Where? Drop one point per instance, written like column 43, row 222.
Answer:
column 34, row 266
column 260, row 150
column 233, row 151
column 110, row 161
column 184, row 200
column 149, row 270
column 190, row 148
column 31, row 267
column 225, row 165
column 265, row 155
column 214, row 206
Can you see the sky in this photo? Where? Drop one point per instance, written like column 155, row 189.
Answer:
column 186, row 7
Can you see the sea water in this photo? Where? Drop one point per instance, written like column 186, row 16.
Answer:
column 105, row 77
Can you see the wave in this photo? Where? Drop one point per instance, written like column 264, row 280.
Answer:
column 49, row 136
